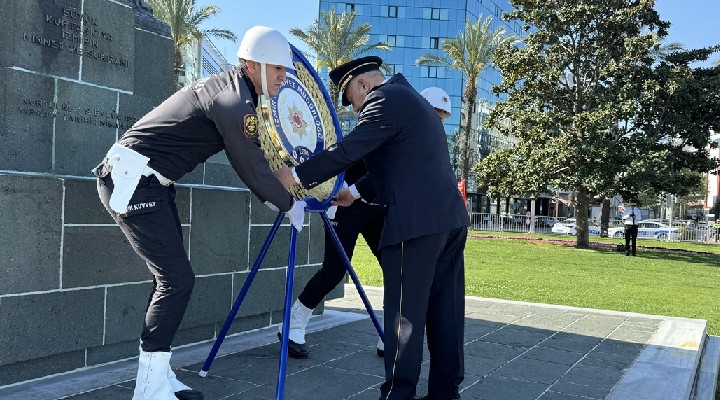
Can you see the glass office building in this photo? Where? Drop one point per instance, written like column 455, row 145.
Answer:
column 201, row 59
column 417, row 27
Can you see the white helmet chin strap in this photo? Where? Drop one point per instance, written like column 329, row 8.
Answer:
column 263, row 79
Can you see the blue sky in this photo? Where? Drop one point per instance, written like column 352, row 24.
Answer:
column 694, row 22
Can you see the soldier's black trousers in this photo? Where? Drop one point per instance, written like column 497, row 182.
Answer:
column 154, row 232
column 349, row 223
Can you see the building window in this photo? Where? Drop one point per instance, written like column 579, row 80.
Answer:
column 392, row 11
column 435, row 13
column 392, row 40
column 434, row 43
column 394, row 68
column 349, row 7
column 431, row 72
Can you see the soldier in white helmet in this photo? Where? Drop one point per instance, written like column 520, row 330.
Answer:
column 440, row 100
column 135, row 183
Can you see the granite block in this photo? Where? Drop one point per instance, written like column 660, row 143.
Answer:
column 218, row 239
column 27, row 121
column 82, row 203
column 100, row 255
column 31, row 235
column 39, row 325
column 41, row 367
column 109, row 44
column 266, row 293
column 43, row 36
column 85, row 131
column 124, row 312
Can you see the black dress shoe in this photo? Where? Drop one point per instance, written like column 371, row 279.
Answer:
column 189, row 395
column 295, row 350
column 430, row 397
column 380, row 352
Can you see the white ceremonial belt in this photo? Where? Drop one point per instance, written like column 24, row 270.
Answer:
column 147, row 171
column 126, row 168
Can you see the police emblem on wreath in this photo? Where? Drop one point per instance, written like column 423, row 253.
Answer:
column 297, row 123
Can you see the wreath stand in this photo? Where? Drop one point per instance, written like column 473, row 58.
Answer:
column 288, row 294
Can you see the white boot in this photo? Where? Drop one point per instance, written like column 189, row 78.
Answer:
column 183, row 391
column 152, row 381
column 299, row 318
column 175, row 384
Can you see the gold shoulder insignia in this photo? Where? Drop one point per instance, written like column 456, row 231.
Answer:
column 251, row 126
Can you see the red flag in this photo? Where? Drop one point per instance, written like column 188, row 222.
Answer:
column 463, row 191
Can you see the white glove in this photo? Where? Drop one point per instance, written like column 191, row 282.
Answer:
column 271, row 206
column 296, row 215
column 331, row 212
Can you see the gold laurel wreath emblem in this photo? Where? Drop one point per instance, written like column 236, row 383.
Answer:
column 275, row 152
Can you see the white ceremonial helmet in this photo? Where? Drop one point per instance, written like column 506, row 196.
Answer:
column 437, row 98
column 265, row 46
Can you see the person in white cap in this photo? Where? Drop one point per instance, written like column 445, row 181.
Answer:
column 135, row 184
column 440, row 100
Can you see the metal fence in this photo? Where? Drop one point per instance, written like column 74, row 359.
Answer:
column 678, row 230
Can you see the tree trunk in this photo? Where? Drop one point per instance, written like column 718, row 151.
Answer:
column 581, row 218
column 335, row 96
column 604, row 218
column 179, row 68
column 470, row 97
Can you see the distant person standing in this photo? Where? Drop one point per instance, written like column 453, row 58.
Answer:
column 632, row 217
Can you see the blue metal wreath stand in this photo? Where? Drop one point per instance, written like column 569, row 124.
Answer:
column 312, row 206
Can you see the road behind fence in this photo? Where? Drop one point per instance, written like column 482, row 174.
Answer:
column 686, row 231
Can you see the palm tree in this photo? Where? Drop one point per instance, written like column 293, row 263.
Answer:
column 184, row 19
column 335, row 40
column 665, row 50
column 469, row 52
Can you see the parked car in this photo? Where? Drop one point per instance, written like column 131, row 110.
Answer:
column 659, row 231
column 617, row 231
column 649, row 230
column 569, row 227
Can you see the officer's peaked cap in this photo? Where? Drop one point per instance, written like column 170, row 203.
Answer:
column 343, row 74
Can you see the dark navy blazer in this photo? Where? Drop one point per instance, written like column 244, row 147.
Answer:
column 403, row 143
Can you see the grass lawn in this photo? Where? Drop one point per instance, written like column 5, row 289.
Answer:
column 657, row 281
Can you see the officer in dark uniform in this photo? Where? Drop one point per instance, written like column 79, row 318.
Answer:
column 349, row 222
column 403, row 144
column 135, row 183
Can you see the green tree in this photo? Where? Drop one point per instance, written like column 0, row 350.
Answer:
column 470, row 52
column 677, row 114
column 184, row 19
column 336, row 40
column 578, row 77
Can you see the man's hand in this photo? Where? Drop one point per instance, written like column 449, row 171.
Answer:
column 285, row 177
column 343, row 198
column 296, row 215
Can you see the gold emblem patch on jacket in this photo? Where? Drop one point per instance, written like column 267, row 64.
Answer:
column 251, row 126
